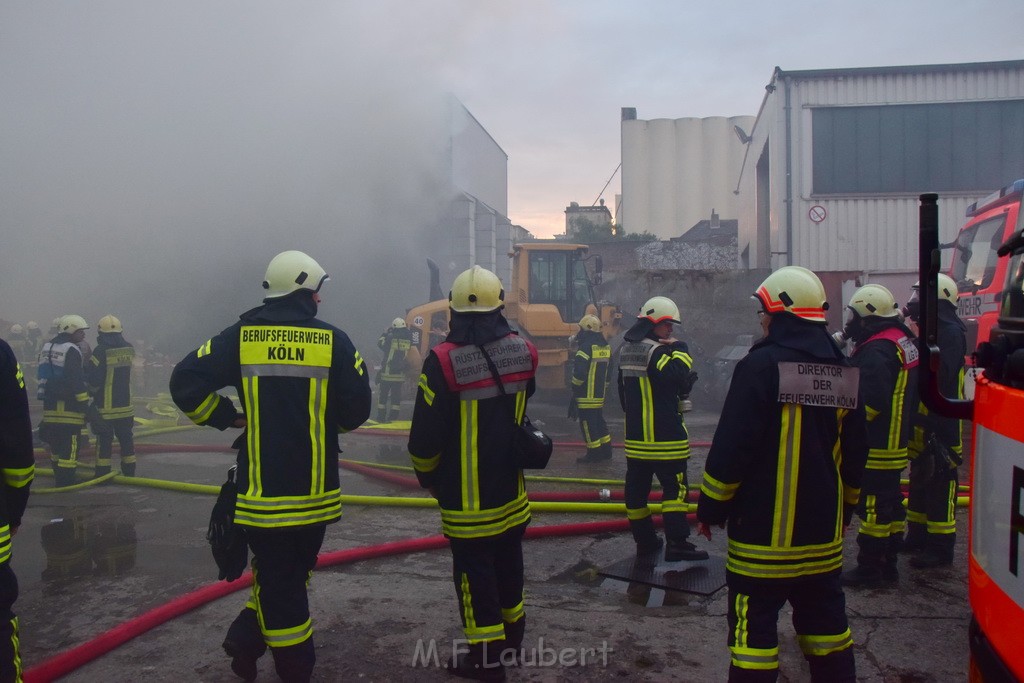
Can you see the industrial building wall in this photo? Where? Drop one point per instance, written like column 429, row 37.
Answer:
column 479, row 165
column 675, row 171
column 851, row 232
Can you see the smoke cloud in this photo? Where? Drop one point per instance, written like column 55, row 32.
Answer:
column 157, row 155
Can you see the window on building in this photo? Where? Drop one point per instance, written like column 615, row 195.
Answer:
column 911, row 148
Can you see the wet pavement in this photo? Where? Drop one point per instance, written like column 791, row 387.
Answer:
column 91, row 559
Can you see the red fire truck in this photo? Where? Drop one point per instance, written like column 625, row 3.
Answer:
column 996, row 528
column 976, row 269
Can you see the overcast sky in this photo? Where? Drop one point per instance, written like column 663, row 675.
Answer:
column 154, row 155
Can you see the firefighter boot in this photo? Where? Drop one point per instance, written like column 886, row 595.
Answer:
column 890, row 571
column 128, row 469
column 244, row 644
column 914, row 541
column 477, row 662
column 867, row 573
column 599, row 454
column 938, row 552
column 100, row 470
column 648, row 542
column 512, row 653
column 679, row 551
column 294, row 663
column 64, row 476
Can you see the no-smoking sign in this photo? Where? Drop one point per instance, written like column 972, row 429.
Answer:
column 817, row 213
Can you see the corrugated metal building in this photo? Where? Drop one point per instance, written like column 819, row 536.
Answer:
column 676, row 171
column 838, row 157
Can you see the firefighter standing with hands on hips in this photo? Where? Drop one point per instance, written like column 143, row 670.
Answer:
column 784, row 472
column 472, row 396
column 655, row 376
column 301, row 382
column 589, row 384
column 887, row 356
column 936, row 450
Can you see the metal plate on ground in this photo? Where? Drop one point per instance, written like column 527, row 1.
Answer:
column 703, row 578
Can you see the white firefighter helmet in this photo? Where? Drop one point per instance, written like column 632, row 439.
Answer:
column 398, row 323
column 794, row 290
column 874, row 300
column 109, row 323
column 659, row 309
column 16, row 329
column 590, row 323
column 476, row 290
column 291, row 271
column 947, row 289
column 32, row 325
column 72, row 323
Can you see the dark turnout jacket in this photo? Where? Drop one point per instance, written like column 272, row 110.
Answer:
column 109, row 375
column 301, row 382
column 788, row 455
column 462, row 426
column 17, row 462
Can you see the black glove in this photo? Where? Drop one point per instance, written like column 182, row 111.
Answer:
column 572, row 413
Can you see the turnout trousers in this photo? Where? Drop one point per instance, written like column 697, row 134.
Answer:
column 931, row 506
column 277, row 611
column 671, row 473
column 10, row 658
column 488, row 576
column 883, row 518
column 105, row 431
column 819, row 617
column 64, row 441
column 389, row 400
column 595, row 433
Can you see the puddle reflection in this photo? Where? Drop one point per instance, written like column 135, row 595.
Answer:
column 89, row 541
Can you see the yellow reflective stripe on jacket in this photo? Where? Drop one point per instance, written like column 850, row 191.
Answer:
column 287, row 510
column 426, row 464
column 470, row 472
column 5, row 543
column 787, row 473
column 717, row 489
column 657, row 450
column 18, row 477
column 428, row 393
column 204, row 410
column 486, row 522
column 117, row 413
column 886, row 459
column 250, row 395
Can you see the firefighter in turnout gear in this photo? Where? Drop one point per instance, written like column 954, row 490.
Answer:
column 17, row 467
column 654, row 377
column 460, row 442
column 936, row 449
column 887, row 356
column 109, row 375
column 65, row 396
column 589, row 384
column 395, row 342
column 301, row 382
column 784, row 472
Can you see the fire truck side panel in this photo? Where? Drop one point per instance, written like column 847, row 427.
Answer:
column 996, row 563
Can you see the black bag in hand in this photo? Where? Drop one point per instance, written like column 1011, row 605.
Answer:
column 531, row 446
column 227, row 540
